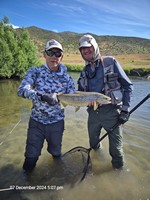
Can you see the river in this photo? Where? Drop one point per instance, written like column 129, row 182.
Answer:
column 58, row 180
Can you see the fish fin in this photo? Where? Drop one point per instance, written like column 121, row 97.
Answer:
column 77, row 108
column 62, row 105
column 59, row 93
column 95, row 105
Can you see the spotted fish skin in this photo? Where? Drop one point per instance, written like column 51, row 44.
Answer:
column 81, row 99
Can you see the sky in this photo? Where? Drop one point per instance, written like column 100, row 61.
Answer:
column 101, row 17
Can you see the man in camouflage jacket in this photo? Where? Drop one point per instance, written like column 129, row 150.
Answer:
column 42, row 84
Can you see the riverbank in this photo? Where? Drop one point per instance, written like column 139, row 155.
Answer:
column 140, row 72
column 133, row 64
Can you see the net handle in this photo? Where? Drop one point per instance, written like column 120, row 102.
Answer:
column 117, row 124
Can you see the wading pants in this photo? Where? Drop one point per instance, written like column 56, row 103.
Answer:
column 37, row 133
column 106, row 117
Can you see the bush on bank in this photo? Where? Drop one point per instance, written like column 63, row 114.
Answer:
column 17, row 51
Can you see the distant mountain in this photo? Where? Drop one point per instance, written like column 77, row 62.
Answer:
column 109, row 45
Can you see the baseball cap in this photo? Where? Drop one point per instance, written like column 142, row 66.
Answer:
column 53, row 44
column 85, row 41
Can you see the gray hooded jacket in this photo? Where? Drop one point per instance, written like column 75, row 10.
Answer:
column 106, row 77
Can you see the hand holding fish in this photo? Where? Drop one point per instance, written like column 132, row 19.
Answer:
column 94, row 104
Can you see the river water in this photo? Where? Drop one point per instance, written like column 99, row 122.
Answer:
column 59, row 180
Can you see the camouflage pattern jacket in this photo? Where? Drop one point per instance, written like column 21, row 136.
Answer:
column 42, row 80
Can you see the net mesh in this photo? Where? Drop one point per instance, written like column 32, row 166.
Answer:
column 77, row 162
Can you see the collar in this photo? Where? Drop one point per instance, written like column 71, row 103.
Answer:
column 94, row 64
column 61, row 69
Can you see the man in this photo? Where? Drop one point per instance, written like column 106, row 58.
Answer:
column 41, row 85
column 105, row 75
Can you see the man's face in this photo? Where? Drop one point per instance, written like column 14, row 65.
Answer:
column 53, row 58
column 87, row 52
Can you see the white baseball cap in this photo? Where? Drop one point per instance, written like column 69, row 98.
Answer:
column 53, row 44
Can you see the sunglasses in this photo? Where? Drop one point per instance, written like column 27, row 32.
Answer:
column 56, row 53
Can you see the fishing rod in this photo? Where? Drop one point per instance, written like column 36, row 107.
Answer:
column 117, row 124
column 88, row 150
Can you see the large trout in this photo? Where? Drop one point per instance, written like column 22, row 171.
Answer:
column 81, row 99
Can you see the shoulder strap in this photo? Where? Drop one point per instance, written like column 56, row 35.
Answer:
column 107, row 60
column 108, row 65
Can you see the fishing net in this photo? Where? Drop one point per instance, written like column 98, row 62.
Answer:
column 77, row 162
column 78, row 159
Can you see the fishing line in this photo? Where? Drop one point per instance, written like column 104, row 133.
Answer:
column 23, row 118
column 86, row 151
column 6, row 136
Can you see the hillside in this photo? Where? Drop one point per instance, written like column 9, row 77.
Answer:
column 109, row 45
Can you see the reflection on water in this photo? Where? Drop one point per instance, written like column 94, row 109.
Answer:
column 56, row 180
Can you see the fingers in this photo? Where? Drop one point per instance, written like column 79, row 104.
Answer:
column 93, row 103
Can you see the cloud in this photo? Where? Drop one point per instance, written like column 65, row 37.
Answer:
column 68, row 8
column 55, row 30
column 14, row 26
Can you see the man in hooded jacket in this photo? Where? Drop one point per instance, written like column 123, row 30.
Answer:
column 105, row 75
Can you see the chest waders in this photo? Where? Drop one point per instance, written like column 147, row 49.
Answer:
column 112, row 87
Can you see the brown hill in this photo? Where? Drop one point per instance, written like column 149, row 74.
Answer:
column 109, row 45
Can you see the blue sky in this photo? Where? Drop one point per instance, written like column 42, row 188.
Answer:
column 100, row 17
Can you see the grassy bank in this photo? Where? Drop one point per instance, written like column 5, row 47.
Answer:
column 133, row 64
column 129, row 70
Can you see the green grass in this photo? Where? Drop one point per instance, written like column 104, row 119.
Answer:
column 74, row 67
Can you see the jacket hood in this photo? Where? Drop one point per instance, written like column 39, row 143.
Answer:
column 87, row 41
